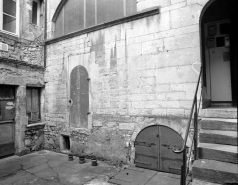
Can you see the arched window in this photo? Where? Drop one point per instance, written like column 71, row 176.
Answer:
column 75, row 15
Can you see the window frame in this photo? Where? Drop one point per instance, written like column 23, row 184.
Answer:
column 38, row 13
column 31, row 121
column 17, row 19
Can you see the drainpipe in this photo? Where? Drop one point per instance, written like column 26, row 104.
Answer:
column 45, row 33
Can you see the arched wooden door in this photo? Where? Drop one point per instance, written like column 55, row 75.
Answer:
column 153, row 149
column 79, row 97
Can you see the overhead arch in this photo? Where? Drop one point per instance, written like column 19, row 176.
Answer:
column 58, row 10
column 75, row 15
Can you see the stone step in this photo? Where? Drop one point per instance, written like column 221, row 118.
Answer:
column 224, row 153
column 219, row 124
column 218, row 137
column 225, row 113
column 199, row 182
column 215, row 171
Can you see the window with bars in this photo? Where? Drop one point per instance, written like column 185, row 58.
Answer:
column 33, row 104
column 8, row 16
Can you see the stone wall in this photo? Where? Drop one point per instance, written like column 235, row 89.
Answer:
column 34, row 138
column 142, row 72
column 21, row 65
column 27, row 46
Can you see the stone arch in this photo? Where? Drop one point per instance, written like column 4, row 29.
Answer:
column 176, row 124
column 154, row 149
column 171, row 123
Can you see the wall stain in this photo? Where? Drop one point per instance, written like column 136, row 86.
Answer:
column 113, row 58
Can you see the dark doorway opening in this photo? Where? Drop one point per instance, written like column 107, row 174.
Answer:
column 219, row 38
column 66, row 143
column 7, row 120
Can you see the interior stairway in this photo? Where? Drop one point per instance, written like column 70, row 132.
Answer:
column 217, row 162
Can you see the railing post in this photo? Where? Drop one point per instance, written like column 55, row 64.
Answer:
column 195, row 131
column 184, row 169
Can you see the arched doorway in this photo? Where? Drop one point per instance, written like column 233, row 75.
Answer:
column 79, row 97
column 153, row 149
column 219, row 38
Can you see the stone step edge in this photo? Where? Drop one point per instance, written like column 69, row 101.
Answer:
column 220, row 147
column 213, row 124
column 227, row 120
column 222, row 153
column 218, row 137
column 216, row 165
column 220, row 132
column 201, row 182
column 215, row 171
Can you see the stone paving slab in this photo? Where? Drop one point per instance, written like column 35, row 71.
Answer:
column 133, row 176
column 50, row 168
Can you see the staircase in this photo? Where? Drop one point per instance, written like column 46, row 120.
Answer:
column 217, row 151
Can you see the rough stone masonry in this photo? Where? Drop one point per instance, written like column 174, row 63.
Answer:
column 142, row 73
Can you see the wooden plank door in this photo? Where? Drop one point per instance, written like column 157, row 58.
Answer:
column 7, row 115
column 153, row 149
column 79, row 97
column 169, row 161
column 147, row 148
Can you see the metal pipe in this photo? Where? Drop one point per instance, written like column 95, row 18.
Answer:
column 195, row 129
column 45, row 33
column 183, row 169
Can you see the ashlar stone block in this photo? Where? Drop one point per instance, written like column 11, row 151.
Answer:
column 155, row 46
column 176, row 75
column 177, row 1
column 145, row 4
column 182, row 41
column 126, row 126
column 188, row 15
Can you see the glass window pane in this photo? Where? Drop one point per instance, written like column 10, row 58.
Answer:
column 9, row 23
column 34, row 12
column 9, row 7
column 59, row 25
column 73, row 16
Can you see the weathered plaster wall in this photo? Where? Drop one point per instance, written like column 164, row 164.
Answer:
column 23, row 64
column 142, row 73
column 28, row 45
column 20, row 76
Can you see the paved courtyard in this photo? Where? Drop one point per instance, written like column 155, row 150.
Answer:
column 50, row 168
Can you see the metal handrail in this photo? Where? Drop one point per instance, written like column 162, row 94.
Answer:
column 190, row 118
column 194, row 143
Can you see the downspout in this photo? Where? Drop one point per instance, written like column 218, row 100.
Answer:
column 45, row 33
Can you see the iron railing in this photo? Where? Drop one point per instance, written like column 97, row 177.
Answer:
column 194, row 115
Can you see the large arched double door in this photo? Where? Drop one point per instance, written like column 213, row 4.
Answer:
column 153, row 149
